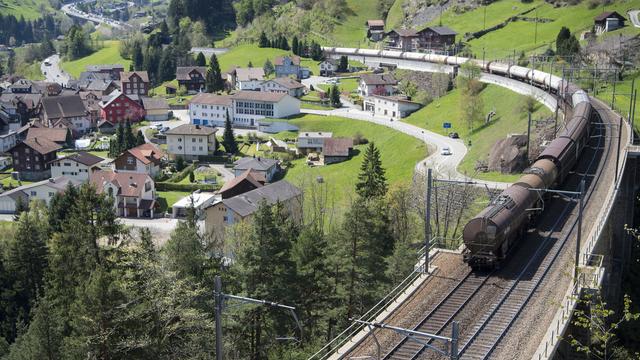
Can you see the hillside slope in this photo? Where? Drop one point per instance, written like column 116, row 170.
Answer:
column 30, row 9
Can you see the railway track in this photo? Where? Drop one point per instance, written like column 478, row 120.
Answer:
column 485, row 336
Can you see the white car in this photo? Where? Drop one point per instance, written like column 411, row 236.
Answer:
column 445, row 151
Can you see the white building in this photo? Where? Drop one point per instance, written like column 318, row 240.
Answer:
column 68, row 109
column 7, row 141
column 43, row 190
column 283, row 85
column 395, row 107
column 145, row 158
column 377, row 84
column 246, row 78
column 328, row 67
column 251, row 106
column 198, row 200
column 133, row 194
column 210, row 109
column 77, row 167
column 191, row 141
column 312, row 141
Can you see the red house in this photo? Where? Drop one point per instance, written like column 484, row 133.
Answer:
column 118, row 107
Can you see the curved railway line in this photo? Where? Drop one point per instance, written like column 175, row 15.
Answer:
column 490, row 305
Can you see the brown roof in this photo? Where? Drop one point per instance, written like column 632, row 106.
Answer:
column 406, row 32
column 259, row 96
column 247, row 74
column 190, row 129
column 147, row 153
column 337, row 146
column 57, row 135
column 287, row 82
column 63, row 106
column 379, row 79
column 156, row 103
column 375, row 22
column 608, row 14
column 247, row 175
column 294, row 59
column 41, row 145
column 128, row 183
column 126, row 75
column 440, row 30
column 182, row 72
column 83, row 157
column 211, row 99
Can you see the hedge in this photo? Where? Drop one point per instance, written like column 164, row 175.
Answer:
column 169, row 186
column 179, row 176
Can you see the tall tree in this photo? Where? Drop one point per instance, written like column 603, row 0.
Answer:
column 343, row 66
column 214, row 81
column 137, row 57
column 140, row 138
column 335, row 96
column 201, row 60
column 130, row 137
column 371, row 180
column 295, row 45
column 263, row 42
column 228, row 138
column 268, row 68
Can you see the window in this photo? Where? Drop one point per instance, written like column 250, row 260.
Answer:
column 179, row 147
column 130, row 160
column 199, row 139
column 33, row 193
column 179, row 139
column 193, row 139
column 200, row 148
column 193, row 148
column 50, row 194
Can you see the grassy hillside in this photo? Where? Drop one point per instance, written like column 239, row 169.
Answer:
column 109, row 54
column 520, row 35
column 509, row 119
column 352, row 30
column 241, row 55
column 400, row 153
column 30, row 9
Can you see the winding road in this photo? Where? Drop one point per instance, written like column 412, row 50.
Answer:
column 53, row 72
column 71, row 10
column 633, row 16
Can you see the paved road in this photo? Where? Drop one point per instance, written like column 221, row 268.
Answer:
column 71, row 10
column 633, row 15
column 53, row 72
column 443, row 165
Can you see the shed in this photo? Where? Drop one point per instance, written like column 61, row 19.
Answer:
column 608, row 21
column 198, row 200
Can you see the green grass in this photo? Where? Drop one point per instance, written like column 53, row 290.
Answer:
column 509, row 119
column 520, row 35
column 351, row 31
column 166, row 199
column 395, row 16
column 241, row 55
column 109, row 54
column 30, row 9
column 311, row 106
column 399, row 152
column 345, row 85
column 622, row 99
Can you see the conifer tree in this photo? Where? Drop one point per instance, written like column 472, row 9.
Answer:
column 371, row 180
column 201, row 60
column 268, row 68
column 295, row 45
column 335, row 96
column 140, row 138
column 263, row 42
column 214, row 81
column 229, row 139
column 343, row 66
column 130, row 138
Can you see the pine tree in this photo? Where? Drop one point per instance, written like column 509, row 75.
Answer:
column 21, row 206
column 263, row 42
column 295, row 46
column 201, row 60
column 120, row 139
column 343, row 66
column 371, row 180
column 140, row 138
column 137, row 58
column 229, row 139
column 335, row 96
column 250, row 64
column 214, row 79
column 268, row 68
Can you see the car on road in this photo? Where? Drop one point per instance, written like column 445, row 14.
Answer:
column 157, row 126
column 47, row 63
column 378, row 70
column 445, row 151
column 454, row 135
column 164, row 129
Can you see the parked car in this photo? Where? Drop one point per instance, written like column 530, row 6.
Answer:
column 445, row 151
column 454, row 135
column 157, row 126
column 164, row 130
column 378, row 70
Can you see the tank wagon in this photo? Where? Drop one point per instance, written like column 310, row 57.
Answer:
column 493, row 233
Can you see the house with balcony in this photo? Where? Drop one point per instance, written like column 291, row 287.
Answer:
column 133, row 194
column 67, row 109
column 134, row 83
column 310, row 141
column 32, row 158
column 375, row 30
column 144, row 159
column 193, row 78
column 77, row 166
column 287, row 66
column 190, row 142
column 377, row 84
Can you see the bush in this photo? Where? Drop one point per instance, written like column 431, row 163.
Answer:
column 168, row 186
column 192, row 177
column 179, row 176
column 179, row 163
column 359, row 139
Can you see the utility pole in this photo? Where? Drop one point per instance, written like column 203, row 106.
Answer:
column 578, row 242
column 528, row 136
column 618, row 152
column 535, row 36
column 633, row 115
column 427, row 221
column 613, row 94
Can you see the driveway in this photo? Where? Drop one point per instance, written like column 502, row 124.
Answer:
column 54, row 73
column 633, row 15
column 443, row 165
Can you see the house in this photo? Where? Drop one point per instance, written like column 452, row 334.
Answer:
column 46, row 88
column 261, row 167
column 336, row 150
column 69, row 109
column 283, row 85
column 134, row 83
column 210, row 109
column 286, row 66
column 246, row 78
column 170, row 89
column 60, row 135
column 402, row 39
column 8, row 140
column 436, row 39
column 276, row 145
column 145, row 159
column 312, row 141
column 24, row 106
column 113, row 70
column 241, row 207
column 104, row 87
column 375, row 30
column 394, row 107
column 32, row 158
column 328, row 67
column 5, row 162
column 197, row 200
column 21, row 86
column 377, row 84
column 190, row 141
column 133, row 194
column 156, row 108
column 608, row 21
column 106, row 127
column 43, row 190
column 91, row 101
column 77, row 166
column 193, row 78
column 251, row 106
column 240, row 185
column 118, row 107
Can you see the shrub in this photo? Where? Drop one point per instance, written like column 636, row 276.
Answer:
column 168, row 186
column 359, row 139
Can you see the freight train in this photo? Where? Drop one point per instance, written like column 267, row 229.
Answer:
column 491, row 234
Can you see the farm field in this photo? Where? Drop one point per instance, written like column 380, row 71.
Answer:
column 109, row 54
column 509, row 119
column 400, row 153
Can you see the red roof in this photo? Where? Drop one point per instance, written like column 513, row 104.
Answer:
column 147, row 153
column 128, row 183
column 247, row 175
